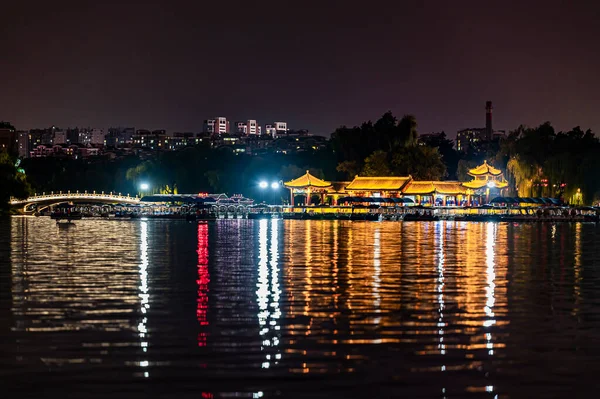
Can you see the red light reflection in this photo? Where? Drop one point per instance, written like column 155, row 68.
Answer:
column 203, row 280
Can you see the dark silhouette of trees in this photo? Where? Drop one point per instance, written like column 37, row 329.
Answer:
column 387, row 148
column 13, row 182
column 541, row 162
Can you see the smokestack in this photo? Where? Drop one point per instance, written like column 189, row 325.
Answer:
column 488, row 120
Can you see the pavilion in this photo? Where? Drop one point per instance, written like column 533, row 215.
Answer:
column 486, row 180
column 435, row 192
column 391, row 186
column 306, row 185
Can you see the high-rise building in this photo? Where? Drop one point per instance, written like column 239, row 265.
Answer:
column 221, row 125
column 218, row 125
column 276, row 129
column 8, row 140
column 60, row 137
column 119, row 136
column 250, row 127
column 209, row 126
column 24, row 143
column 97, row 137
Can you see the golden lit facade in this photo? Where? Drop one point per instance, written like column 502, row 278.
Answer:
column 486, row 180
column 307, row 185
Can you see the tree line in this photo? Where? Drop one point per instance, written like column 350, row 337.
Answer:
column 536, row 161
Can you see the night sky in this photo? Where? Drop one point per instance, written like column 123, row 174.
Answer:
column 318, row 65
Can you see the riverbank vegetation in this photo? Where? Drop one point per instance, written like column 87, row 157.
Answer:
column 13, row 182
column 537, row 162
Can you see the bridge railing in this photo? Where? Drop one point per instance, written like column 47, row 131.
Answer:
column 74, row 195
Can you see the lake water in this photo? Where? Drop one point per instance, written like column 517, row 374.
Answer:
column 272, row 308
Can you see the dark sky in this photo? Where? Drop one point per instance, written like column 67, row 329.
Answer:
column 317, row 65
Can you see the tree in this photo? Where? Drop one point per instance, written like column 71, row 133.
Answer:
column 6, row 125
column 349, row 168
column 377, row 164
column 445, row 146
column 421, row 162
column 407, row 131
column 12, row 181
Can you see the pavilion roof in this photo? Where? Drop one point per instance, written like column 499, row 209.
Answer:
column 307, row 180
column 485, row 169
column 477, row 184
column 419, row 187
column 378, row 183
column 449, row 187
column 430, row 187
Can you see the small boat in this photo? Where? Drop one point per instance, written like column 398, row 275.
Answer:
column 64, row 224
column 60, row 215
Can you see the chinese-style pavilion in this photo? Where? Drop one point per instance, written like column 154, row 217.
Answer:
column 486, row 179
column 307, row 184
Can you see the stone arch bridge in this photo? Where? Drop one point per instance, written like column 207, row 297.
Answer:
column 42, row 201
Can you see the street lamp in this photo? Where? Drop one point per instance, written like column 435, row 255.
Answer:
column 275, row 185
column 263, row 184
column 144, row 186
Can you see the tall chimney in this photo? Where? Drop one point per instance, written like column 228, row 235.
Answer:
column 488, row 120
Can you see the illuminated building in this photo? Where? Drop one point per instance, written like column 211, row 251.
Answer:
column 276, row 129
column 249, row 127
column 377, row 186
column 307, row 185
column 486, row 179
column 435, row 192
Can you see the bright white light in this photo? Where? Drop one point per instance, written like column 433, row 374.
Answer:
column 263, row 184
column 274, row 185
column 144, row 186
column 491, row 184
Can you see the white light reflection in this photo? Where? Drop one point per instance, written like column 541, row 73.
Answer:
column 275, row 290
column 491, row 286
column 144, row 295
column 268, row 293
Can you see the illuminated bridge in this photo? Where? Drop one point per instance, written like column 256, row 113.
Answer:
column 44, row 200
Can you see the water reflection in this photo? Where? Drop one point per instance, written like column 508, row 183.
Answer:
column 268, row 294
column 144, row 295
column 203, row 280
column 255, row 308
column 489, row 290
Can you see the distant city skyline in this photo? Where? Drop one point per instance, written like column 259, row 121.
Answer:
column 170, row 66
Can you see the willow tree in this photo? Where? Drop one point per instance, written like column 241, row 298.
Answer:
column 523, row 174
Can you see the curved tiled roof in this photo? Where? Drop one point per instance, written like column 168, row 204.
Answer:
column 419, row 187
column 307, row 180
column 484, row 170
column 378, row 183
column 477, row 184
column 430, row 187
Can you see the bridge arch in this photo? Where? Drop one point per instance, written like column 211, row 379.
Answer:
column 47, row 200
